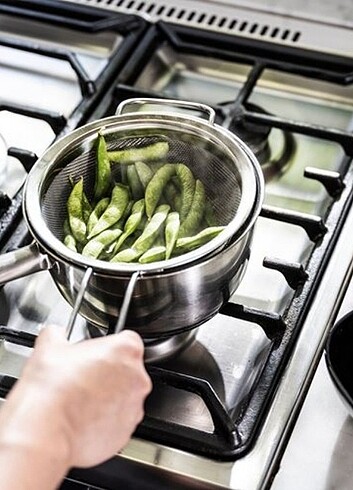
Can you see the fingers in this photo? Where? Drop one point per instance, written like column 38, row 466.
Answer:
column 127, row 339
column 126, row 342
column 127, row 346
column 51, row 334
column 132, row 343
column 130, row 340
column 69, row 376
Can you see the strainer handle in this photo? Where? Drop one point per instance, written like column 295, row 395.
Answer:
column 126, row 302
column 181, row 104
column 78, row 302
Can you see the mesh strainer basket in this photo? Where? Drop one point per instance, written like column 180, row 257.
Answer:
column 162, row 298
column 222, row 163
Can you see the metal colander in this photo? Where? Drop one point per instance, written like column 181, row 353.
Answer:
column 162, row 298
column 229, row 171
column 221, row 180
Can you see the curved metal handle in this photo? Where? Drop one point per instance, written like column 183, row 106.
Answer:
column 22, row 262
column 123, row 310
column 78, row 302
column 120, row 323
column 126, row 302
column 180, row 104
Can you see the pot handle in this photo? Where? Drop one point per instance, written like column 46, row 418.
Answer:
column 180, row 104
column 22, row 262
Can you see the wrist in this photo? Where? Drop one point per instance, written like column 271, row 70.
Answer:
column 26, row 427
column 29, row 467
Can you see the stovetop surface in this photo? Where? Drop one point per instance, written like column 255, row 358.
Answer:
column 212, row 397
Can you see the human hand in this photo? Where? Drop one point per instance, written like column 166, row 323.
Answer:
column 85, row 399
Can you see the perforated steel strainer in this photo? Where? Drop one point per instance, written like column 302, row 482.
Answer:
column 172, row 295
column 223, row 185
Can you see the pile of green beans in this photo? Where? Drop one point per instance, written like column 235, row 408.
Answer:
column 153, row 211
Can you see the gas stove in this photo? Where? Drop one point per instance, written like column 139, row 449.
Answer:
column 226, row 394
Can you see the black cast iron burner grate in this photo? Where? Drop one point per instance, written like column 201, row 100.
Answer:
column 322, row 231
column 232, row 438
column 79, row 18
column 13, row 233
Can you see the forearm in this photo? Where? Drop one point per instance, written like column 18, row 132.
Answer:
column 53, row 419
column 28, row 469
column 33, row 453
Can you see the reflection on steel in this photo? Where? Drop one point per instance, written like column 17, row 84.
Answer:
column 226, row 392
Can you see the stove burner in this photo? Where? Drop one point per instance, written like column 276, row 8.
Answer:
column 258, row 137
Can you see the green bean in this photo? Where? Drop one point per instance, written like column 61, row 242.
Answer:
column 142, row 225
column 146, row 239
column 153, row 255
column 194, row 217
column 121, row 223
column 155, row 187
column 70, row 242
column 160, row 240
column 144, row 172
column 137, row 189
column 114, row 211
column 69, row 239
column 187, row 244
column 96, row 246
column 103, row 171
column 75, row 212
column 187, row 184
column 172, row 195
column 131, row 224
column 66, row 227
column 127, row 255
column 150, row 233
column 176, row 197
column 97, row 212
column 155, row 151
column 171, row 232
column 86, row 208
column 107, row 252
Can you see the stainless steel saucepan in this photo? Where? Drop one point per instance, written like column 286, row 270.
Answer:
column 170, row 296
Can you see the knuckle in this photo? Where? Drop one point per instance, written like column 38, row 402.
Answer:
column 48, row 336
column 132, row 343
column 147, row 383
column 139, row 415
column 143, row 382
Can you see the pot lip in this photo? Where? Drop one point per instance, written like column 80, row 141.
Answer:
column 344, row 323
column 231, row 144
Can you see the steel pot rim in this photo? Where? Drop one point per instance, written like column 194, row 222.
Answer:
column 231, row 145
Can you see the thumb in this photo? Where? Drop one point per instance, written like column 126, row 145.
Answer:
column 50, row 335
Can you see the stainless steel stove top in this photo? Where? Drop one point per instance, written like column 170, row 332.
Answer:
column 246, row 370
column 321, row 25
